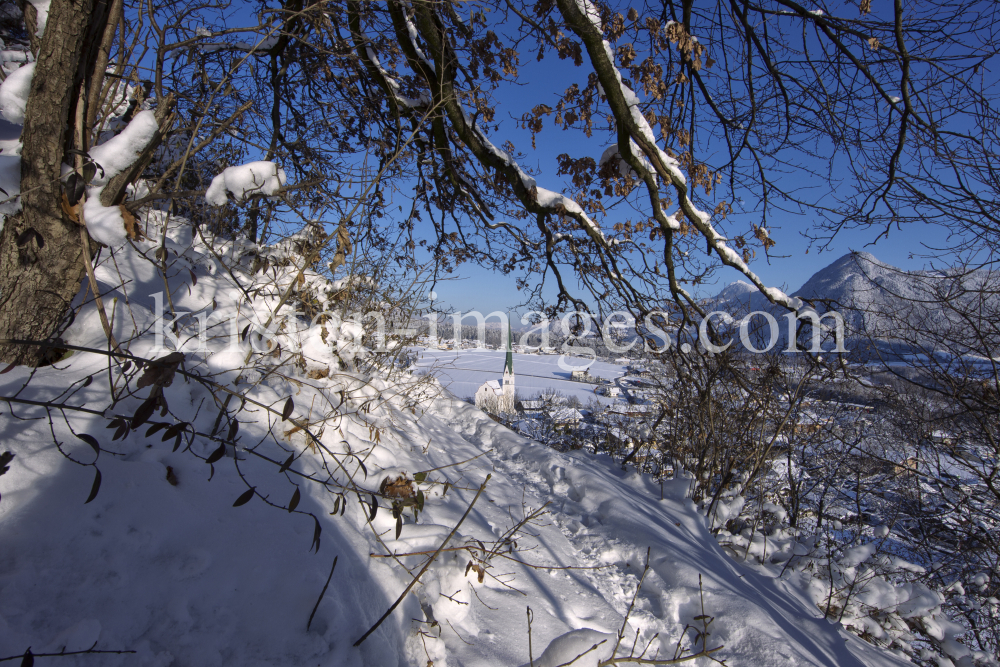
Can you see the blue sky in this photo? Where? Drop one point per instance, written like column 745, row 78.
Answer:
column 479, row 289
column 794, row 260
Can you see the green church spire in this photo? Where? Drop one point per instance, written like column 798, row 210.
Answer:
column 509, row 365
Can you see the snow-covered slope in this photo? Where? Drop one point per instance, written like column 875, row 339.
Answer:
column 162, row 563
column 864, row 290
column 853, row 275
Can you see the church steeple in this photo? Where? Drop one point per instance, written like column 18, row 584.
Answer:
column 509, row 365
column 496, row 398
column 508, row 400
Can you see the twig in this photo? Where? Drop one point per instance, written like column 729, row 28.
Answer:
column 28, row 653
column 621, row 632
column 452, row 465
column 592, row 648
column 531, row 656
column 456, row 631
column 613, row 662
column 472, row 548
column 322, row 593
column 85, row 240
column 703, row 635
column 426, row 565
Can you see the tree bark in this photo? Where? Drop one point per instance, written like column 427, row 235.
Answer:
column 38, row 281
column 30, row 24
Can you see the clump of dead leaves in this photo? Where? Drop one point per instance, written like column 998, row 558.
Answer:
column 401, row 487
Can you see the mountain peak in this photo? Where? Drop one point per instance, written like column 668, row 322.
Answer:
column 742, row 286
column 854, row 272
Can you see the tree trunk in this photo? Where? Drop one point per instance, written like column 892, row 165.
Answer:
column 39, row 280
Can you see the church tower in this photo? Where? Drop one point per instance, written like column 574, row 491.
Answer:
column 493, row 397
column 508, row 374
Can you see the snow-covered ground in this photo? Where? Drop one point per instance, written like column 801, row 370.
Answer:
column 463, row 371
column 162, row 563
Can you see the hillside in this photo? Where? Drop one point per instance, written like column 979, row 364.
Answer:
column 161, row 562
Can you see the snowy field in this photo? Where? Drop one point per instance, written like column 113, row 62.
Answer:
column 463, row 371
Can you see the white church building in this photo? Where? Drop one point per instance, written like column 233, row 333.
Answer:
column 497, row 397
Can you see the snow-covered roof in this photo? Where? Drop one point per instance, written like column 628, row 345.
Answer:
column 492, row 386
column 563, row 415
column 628, row 408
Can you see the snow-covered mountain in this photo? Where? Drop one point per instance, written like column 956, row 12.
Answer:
column 873, row 297
column 852, row 280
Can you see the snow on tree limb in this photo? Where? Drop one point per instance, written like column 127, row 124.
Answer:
column 633, row 129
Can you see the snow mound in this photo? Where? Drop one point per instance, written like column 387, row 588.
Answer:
column 564, row 649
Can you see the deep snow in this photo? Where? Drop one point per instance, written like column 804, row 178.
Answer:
column 182, row 577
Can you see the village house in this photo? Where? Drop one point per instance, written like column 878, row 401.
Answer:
column 534, row 407
column 565, row 418
column 583, row 376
